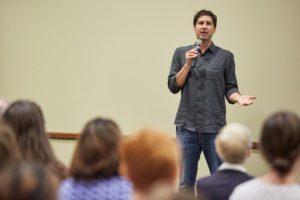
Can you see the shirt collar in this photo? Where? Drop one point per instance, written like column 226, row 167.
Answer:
column 212, row 47
column 237, row 167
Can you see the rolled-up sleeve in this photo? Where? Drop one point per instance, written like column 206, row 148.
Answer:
column 231, row 85
column 175, row 68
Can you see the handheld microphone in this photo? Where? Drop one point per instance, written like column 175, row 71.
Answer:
column 197, row 45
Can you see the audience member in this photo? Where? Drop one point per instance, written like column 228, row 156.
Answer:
column 164, row 192
column 94, row 168
column 23, row 181
column 3, row 105
column 233, row 145
column 9, row 151
column 27, row 121
column 280, row 146
column 149, row 158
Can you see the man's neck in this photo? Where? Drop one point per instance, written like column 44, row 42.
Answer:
column 204, row 45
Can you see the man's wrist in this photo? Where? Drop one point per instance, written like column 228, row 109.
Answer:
column 188, row 65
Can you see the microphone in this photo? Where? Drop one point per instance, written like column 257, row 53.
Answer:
column 197, row 45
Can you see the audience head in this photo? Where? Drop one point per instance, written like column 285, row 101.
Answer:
column 3, row 105
column 9, row 151
column 27, row 121
column 26, row 118
column 149, row 157
column 280, row 141
column 96, row 154
column 23, row 181
column 233, row 143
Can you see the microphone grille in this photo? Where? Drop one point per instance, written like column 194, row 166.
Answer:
column 198, row 42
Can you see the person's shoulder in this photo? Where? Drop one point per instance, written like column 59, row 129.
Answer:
column 223, row 50
column 208, row 180
column 233, row 172
column 249, row 184
column 245, row 189
column 66, row 189
column 118, row 186
column 68, row 180
column 203, row 181
column 121, row 181
column 184, row 48
column 118, row 179
column 68, row 184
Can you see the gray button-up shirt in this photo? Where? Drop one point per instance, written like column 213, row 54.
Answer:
column 210, row 79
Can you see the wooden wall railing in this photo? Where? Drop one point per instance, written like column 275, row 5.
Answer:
column 63, row 135
column 75, row 136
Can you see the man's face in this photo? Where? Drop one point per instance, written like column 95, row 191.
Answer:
column 204, row 28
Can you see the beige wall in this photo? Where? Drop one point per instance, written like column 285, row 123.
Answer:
column 84, row 58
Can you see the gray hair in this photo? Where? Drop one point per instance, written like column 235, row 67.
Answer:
column 233, row 143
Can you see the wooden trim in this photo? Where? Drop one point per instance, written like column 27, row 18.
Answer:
column 75, row 136
column 255, row 146
column 63, row 135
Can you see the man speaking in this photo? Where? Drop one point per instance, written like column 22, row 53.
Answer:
column 205, row 75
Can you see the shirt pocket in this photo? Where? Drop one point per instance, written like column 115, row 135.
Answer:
column 213, row 72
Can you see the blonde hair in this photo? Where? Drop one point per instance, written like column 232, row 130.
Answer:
column 233, row 142
column 149, row 157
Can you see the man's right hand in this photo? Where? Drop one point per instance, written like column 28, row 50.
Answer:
column 190, row 56
column 182, row 74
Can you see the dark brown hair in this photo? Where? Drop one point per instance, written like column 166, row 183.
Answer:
column 205, row 13
column 24, row 181
column 280, row 141
column 27, row 121
column 96, row 153
column 9, row 151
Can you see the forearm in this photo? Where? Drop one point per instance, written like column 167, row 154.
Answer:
column 182, row 74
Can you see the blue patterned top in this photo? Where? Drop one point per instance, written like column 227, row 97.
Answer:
column 114, row 188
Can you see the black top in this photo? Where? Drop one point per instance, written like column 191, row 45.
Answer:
column 211, row 77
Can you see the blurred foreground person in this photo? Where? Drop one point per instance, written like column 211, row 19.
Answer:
column 24, row 181
column 94, row 168
column 149, row 158
column 3, row 105
column 27, row 121
column 280, row 146
column 233, row 145
column 9, row 151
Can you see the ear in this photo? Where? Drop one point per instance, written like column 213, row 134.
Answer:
column 194, row 28
column 215, row 29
